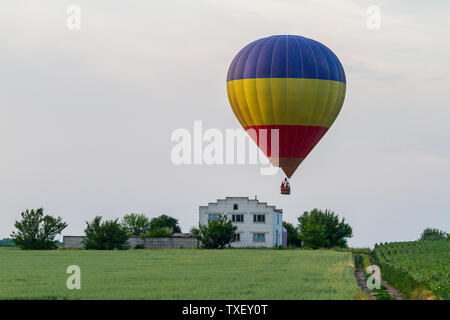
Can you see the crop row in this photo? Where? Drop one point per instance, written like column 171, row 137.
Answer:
column 425, row 263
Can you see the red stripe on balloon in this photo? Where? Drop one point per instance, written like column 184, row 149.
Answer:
column 294, row 141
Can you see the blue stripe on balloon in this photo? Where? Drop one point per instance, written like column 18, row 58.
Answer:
column 284, row 56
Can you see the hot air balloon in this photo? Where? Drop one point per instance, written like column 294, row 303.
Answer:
column 290, row 83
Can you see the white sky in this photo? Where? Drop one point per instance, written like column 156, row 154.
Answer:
column 86, row 115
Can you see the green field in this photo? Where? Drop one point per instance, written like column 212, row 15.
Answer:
column 178, row 274
column 416, row 264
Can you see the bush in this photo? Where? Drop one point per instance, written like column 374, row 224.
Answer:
column 293, row 236
column 365, row 262
column 159, row 233
column 106, row 235
column 217, row 234
column 36, row 231
column 322, row 229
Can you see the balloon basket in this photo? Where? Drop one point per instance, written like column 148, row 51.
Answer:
column 285, row 190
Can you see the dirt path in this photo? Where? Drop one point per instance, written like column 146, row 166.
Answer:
column 397, row 295
column 361, row 280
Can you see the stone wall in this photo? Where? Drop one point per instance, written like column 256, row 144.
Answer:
column 75, row 242
column 170, row 243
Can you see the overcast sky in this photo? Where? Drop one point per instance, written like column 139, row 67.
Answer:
column 86, row 115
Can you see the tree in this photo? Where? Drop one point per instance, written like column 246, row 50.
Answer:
column 164, row 221
column 293, row 236
column 216, row 234
column 36, row 231
column 433, row 234
column 107, row 235
column 322, row 229
column 136, row 224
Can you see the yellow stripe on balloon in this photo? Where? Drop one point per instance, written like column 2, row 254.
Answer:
column 286, row 101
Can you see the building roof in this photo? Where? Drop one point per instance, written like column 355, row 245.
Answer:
column 247, row 198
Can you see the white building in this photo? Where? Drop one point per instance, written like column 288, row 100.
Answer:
column 259, row 224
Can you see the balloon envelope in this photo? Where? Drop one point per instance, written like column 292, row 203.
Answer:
column 290, row 83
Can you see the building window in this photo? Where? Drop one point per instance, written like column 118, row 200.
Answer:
column 235, row 206
column 259, row 218
column 237, row 217
column 259, row 237
column 278, row 219
column 237, row 237
column 212, row 217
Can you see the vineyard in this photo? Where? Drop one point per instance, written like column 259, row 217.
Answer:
column 416, row 264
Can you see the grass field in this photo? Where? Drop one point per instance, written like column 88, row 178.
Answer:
column 178, row 274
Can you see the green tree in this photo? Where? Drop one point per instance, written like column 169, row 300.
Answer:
column 164, row 221
column 293, row 236
column 322, row 229
column 107, row 235
column 217, row 234
column 433, row 234
column 36, row 231
column 136, row 223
